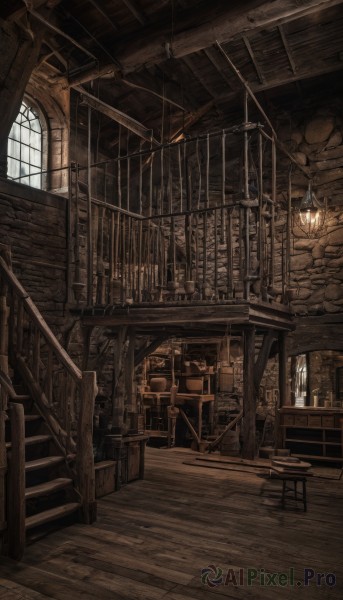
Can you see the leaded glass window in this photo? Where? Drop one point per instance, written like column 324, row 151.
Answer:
column 24, row 148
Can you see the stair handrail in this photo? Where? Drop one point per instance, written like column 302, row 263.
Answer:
column 39, row 320
column 30, row 369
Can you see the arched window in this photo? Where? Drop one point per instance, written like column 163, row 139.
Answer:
column 24, row 149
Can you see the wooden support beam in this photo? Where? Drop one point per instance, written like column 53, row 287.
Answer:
column 85, row 457
column 16, row 484
column 253, row 58
column 262, row 358
column 283, row 400
column 249, row 400
column 218, row 22
column 212, row 54
column 133, row 7
column 117, row 115
column 287, row 49
column 104, row 14
column 142, row 353
column 198, row 76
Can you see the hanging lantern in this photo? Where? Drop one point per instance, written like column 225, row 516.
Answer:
column 310, row 215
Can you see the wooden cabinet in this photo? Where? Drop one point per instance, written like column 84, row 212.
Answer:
column 313, row 433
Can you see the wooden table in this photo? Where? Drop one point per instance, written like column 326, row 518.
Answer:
column 156, row 397
column 199, row 400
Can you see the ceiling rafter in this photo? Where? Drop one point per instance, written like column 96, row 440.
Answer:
column 195, row 72
column 253, row 59
column 211, row 55
column 117, row 115
column 104, row 14
column 137, row 12
column 219, row 21
column 287, row 49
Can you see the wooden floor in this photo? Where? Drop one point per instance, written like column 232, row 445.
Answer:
column 153, row 538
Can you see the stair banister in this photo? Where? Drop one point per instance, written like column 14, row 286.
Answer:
column 16, row 484
column 40, row 360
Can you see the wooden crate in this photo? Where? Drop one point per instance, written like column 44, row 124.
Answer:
column 105, row 474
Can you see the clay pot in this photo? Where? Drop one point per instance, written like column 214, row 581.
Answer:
column 172, row 285
column 158, row 384
column 189, row 287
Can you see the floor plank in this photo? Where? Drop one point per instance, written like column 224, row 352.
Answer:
column 156, row 538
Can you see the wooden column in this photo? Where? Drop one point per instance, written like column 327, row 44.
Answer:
column 85, row 457
column 118, row 392
column 249, row 401
column 16, row 484
column 130, row 371
column 283, row 400
column 16, row 66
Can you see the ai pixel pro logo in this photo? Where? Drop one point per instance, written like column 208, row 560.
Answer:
column 213, row 576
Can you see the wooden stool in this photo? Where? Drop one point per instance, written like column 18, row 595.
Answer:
column 290, row 492
column 292, row 469
column 293, row 493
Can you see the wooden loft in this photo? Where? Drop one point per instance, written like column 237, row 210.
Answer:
column 155, row 317
column 183, row 224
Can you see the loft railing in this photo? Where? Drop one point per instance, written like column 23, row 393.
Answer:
column 184, row 222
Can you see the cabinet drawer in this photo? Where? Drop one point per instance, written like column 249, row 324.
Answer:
column 314, row 420
column 328, row 421
column 288, row 419
column 300, row 420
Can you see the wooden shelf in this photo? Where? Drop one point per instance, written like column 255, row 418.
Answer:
column 323, row 443
column 315, row 457
column 329, row 437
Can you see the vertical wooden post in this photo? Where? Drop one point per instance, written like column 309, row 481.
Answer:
column 85, row 458
column 249, row 403
column 3, row 464
column 89, row 215
column 130, row 370
column 4, row 314
column 16, row 484
column 282, row 386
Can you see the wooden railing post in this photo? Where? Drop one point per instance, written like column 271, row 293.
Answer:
column 85, row 457
column 16, row 484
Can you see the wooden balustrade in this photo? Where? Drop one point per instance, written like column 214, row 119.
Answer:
column 197, row 211
column 63, row 395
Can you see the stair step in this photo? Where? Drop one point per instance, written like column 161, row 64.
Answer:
column 42, row 463
column 48, row 487
column 22, row 398
column 51, row 515
column 30, row 418
column 34, row 439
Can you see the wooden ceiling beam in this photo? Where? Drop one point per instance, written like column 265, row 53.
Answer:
column 220, row 22
column 117, row 115
column 253, row 59
column 136, row 11
column 211, row 55
column 12, row 10
column 287, row 49
column 104, row 14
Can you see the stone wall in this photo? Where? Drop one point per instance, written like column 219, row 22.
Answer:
column 33, row 224
column 316, row 270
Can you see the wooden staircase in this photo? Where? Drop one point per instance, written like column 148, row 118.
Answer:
column 47, row 474
column 50, row 495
